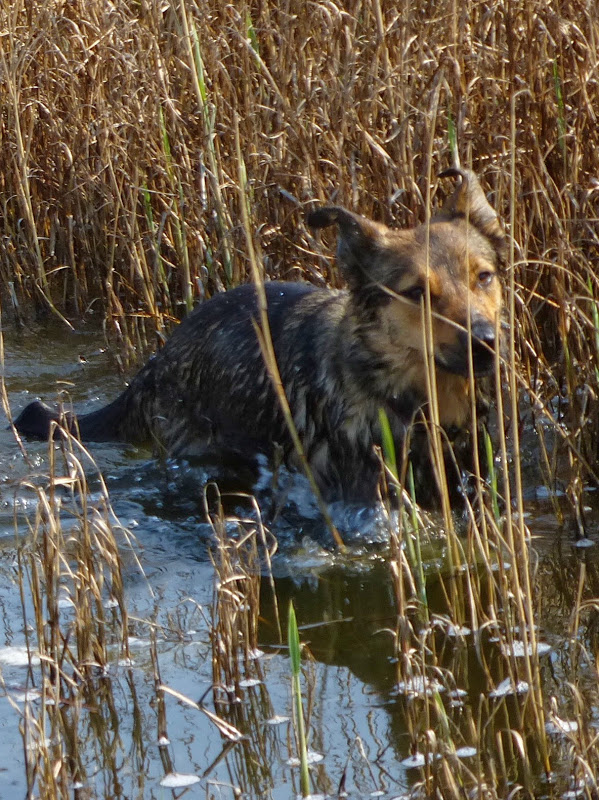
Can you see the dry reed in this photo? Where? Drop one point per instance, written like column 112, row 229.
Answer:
column 69, row 573
column 125, row 130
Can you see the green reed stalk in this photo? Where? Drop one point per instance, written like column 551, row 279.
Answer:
column 416, row 551
column 412, row 538
column 493, row 483
column 160, row 272
column 295, row 658
column 208, row 113
column 251, row 33
column 388, row 444
column 561, row 115
column 595, row 319
column 177, row 216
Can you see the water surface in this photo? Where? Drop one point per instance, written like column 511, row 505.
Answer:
column 346, row 606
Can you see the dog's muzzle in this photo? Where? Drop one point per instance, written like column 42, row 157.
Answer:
column 455, row 358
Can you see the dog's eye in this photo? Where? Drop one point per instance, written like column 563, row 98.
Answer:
column 485, row 277
column 414, row 293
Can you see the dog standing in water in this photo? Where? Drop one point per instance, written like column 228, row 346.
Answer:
column 342, row 356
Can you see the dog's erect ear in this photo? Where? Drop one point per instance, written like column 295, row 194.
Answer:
column 359, row 239
column 468, row 200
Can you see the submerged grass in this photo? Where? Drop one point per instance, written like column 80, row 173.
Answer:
column 157, row 153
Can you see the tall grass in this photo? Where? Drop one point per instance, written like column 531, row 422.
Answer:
column 158, row 153
column 120, row 179
column 120, row 171
column 69, row 574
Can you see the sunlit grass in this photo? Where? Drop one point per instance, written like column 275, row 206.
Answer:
column 155, row 154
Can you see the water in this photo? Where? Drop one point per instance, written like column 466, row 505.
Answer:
column 345, row 605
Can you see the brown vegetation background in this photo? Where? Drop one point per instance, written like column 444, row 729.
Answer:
column 150, row 147
column 132, row 133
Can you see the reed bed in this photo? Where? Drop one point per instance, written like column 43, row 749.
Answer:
column 158, row 153
column 120, row 177
column 126, row 129
column 69, row 574
column 142, row 142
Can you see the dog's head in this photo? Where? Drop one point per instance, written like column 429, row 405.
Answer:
column 455, row 260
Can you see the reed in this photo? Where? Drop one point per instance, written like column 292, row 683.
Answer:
column 70, row 577
column 298, row 710
column 121, row 178
column 156, row 154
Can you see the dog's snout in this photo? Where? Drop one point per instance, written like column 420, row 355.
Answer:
column 480, row 341
column 483, row 346
column 484, row 333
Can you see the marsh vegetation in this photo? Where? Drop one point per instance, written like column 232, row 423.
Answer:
column 155, row 154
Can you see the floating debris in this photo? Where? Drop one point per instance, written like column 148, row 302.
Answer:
column 277, row 720
column 419, row 686
column 28, row 696
column 249, row 682
column 312, row 758
column 178, row 780
column 458, row 630
column 506, row 688
column 466, row 752
column 19, row 656
column 557, row 726
column 519, row 650
column 417, row 760
column 37, row 744
column 65, row 600
column 584, row 543
column 134, row 641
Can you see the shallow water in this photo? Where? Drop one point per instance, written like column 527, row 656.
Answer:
column 345, row 606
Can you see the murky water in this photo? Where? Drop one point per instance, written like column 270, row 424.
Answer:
column 346, row 607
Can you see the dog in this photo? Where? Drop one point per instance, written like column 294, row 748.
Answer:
column 342, row 356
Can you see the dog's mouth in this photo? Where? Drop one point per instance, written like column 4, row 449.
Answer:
column 457, row 361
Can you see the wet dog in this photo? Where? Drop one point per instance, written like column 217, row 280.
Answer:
column 342, row 356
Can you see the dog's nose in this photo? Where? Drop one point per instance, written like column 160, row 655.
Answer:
column 484, row 333
column 483, row 346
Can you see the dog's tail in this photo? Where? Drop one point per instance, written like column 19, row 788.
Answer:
column 37, row 420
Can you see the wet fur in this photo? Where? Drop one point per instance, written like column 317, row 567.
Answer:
column 342, row 356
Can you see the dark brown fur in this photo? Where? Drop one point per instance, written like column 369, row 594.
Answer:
column 342, row 355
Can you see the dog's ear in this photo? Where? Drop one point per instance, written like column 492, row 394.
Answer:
column 469, row 201
column 359, row 240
